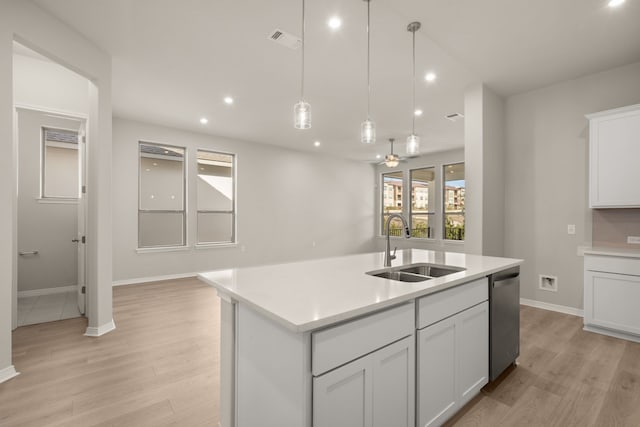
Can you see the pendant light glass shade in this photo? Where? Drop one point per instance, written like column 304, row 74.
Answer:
column 302, row 115
column 413, row 144
column 368, row 132
column 302, row 110
column 368, row 127
column 413, row 141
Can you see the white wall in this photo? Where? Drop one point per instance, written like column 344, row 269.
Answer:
column 436, row 160
column 484, row 167
column 31, row 26
column 546, row 177
column 287, row 202
column 49, row 86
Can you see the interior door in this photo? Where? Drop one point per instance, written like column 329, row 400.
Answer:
column 82, row 208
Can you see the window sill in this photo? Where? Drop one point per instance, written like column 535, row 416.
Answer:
column 200, row 246
column 162, row 249
column 57, row 201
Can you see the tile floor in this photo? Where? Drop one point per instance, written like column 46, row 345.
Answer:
column 47, row 308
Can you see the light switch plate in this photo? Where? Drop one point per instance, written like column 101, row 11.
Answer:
column 571, row 229
column 633, row 240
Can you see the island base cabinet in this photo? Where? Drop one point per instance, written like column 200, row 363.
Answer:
column 376, row 390
column 453, row 364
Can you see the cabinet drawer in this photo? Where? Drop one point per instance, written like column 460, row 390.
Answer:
column 433, row 308
column 612, row 264
column 340, row 344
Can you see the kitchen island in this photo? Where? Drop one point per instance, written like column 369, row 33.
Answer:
column 321, row 342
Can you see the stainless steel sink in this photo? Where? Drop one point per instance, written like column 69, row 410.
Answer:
column 415, row 272
column 430, row 270
column 400, row 276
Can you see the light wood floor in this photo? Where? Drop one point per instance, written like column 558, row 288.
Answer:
column 160, row 367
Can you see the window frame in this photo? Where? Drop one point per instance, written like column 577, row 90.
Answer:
column 43, row 165
column 184, row 210
column 381, row 212
column 234, row 205
column 444, row 202
column 433, row 214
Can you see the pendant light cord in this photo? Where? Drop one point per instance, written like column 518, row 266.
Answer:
column 368, row 59
column 303, row 43
column 413, row 113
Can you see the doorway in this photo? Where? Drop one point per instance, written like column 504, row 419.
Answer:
column 51, row 282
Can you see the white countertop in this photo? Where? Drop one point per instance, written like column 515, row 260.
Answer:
column 307, row 295
column 611, row 251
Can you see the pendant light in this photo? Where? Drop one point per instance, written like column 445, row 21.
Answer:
column 413, row 141
column 302, row 110
column 368, row 127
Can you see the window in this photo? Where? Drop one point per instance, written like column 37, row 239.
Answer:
column 391, row 201
column 161, row 214
column 60, row 167
column 216, row 197
column 422, row 201
column 454, row 188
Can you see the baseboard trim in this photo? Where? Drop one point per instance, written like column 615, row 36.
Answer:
column 609, row 332
column 552, row 307
column 7, row 373
column 152, row 279
column 47, row 291
column 100, row 330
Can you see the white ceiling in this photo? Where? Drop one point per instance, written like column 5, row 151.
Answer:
column 174, row 61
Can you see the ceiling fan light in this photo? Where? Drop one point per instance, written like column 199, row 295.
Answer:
column 368, row 132
column 413, row 144
column 302, row 115
column 391, row 160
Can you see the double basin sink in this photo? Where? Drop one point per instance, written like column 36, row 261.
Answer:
column 415, row 272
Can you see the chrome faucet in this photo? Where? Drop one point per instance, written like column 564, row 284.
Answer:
column 388, row 257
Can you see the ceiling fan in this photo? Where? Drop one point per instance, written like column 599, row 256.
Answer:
column 392, row 160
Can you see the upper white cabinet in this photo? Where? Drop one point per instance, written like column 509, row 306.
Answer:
column 614, row 153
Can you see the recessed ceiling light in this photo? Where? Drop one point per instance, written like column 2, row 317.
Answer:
column 615, row 3
column 418, row 112
column 334, row 22
column 204, row 120
column 316, row 144
column 228, row 100
column 430, row 76
column 378, row 156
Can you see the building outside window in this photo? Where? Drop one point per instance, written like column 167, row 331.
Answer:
column 391, row 201
column 216, row 198
column 422, row 202
column 454, row 192
column 161, row 194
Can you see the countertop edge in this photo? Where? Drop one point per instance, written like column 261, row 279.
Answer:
column 358, row 312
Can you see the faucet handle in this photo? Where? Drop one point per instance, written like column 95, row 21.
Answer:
column 393, row 256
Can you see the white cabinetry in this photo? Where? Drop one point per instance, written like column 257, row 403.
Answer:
column 375, row 390
column 611, row 295
column 364, row 371
column 453, row 353
column 614, row 150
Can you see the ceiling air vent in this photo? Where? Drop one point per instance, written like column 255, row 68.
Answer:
column 454, row 117
column 285, row 39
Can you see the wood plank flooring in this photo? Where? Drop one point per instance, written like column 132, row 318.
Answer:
column 160, row 368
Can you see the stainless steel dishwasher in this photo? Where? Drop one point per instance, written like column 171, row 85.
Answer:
column 504, row 320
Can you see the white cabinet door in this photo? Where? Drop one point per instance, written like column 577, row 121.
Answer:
column 394, row 385
column 614, row 149
column 437, row 351
column 453, row 363
column 375, row 390
column 343, row 397
column 611, row 301
column 473, row 360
